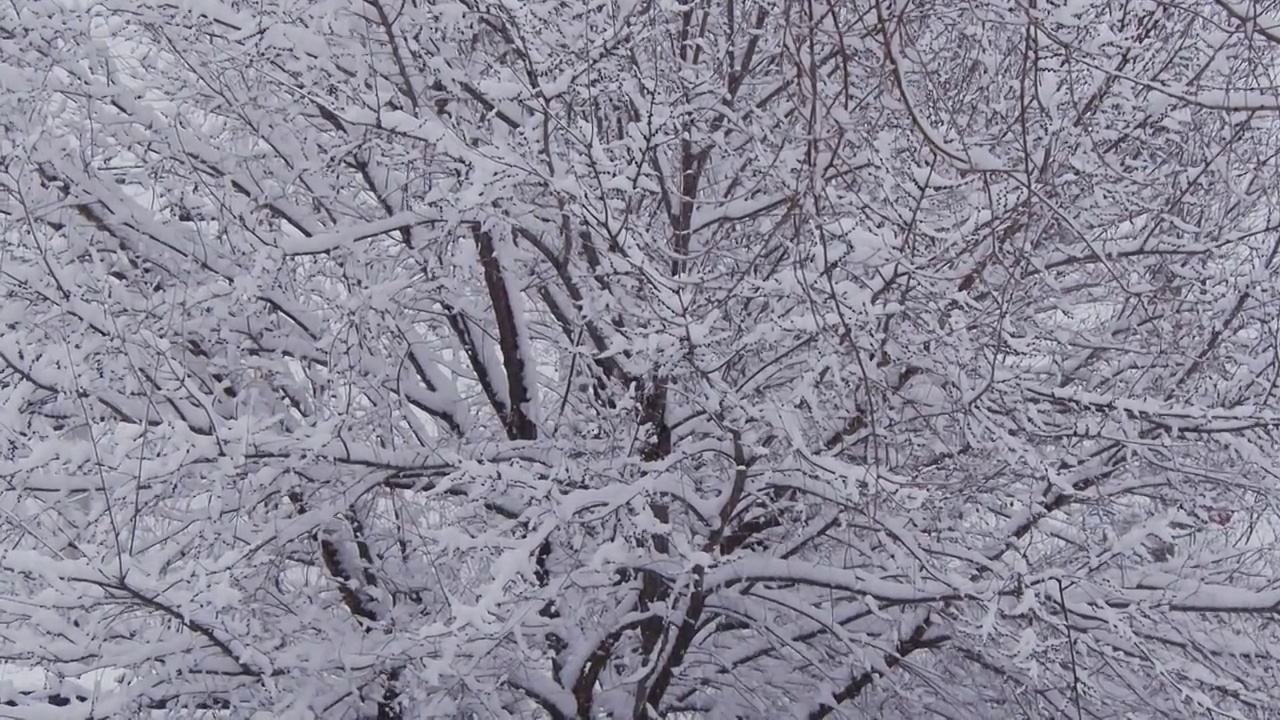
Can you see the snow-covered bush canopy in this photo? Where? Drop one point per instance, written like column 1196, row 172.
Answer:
column 639, row 359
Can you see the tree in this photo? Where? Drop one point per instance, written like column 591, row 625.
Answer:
column 641, row 359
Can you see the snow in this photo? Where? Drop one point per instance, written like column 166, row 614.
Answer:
column 749, row 569
column 1052, row 376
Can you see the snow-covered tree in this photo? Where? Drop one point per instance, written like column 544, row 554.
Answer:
column 638, row 359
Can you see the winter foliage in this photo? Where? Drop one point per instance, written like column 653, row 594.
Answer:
column 721, row 359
